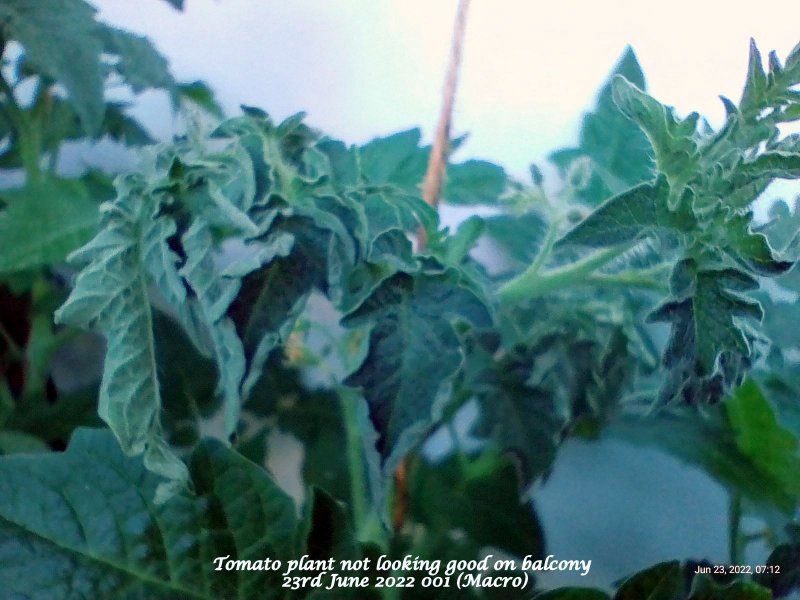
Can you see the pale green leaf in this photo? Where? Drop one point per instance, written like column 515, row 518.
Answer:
column 671, row 138
column 111, row 297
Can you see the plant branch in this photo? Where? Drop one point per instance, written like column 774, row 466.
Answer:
column 531, row 284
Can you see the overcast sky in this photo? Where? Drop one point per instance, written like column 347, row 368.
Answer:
column 366, row 67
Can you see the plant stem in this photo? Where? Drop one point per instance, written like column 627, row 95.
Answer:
column 531, row 284
column 355, row 460
column 734, row 529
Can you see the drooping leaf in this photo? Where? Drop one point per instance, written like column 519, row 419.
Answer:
column 272, row 296
column 413, row 348
column 214, row 295
column 708, row 345
column 94, row 529
column 60, row 38
column 43, row 222
column 110, row 297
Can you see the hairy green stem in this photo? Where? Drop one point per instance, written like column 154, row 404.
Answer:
column 531, row 284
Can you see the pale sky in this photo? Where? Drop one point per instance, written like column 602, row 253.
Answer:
column 366, row 67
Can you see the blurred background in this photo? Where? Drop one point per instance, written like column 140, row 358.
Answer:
column 363, row 68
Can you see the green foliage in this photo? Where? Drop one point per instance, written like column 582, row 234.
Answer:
column 262, row 282
column 115, row 540
column 618, row 152
column 43, row 222
column 49, row 31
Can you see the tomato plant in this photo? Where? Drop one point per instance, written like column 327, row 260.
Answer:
column 261, row 277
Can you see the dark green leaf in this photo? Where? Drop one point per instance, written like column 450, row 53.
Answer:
column 15, row 442
column 188, row 383
column 102, row 535
column 413, row 348
column 707, row 339
column 54, row 422
column 518, row 417
column 639, row 212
